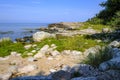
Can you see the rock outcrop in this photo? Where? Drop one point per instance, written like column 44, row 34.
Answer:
column 38, row 36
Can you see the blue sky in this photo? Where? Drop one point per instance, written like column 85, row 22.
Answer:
column 43, row 11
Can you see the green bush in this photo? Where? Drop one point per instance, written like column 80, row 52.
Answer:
column 95, row 59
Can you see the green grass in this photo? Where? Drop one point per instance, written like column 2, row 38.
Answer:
column 98, row 27
column 78, row 42
column 95, row 59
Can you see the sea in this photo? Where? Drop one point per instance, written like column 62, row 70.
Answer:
column 19, row 30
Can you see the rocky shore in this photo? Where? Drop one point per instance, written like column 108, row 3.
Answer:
column 47, row 63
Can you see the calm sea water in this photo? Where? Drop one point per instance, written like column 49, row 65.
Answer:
column 19, row 30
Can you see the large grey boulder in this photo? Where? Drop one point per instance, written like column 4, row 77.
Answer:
column 33, row 78
column 61, row 75
column 115, row 52
column 110, row 75
column 85, row 78
column 38, row 36
column 111, row 64
column 84, row 70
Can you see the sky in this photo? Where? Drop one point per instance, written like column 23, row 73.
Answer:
column 44, row 11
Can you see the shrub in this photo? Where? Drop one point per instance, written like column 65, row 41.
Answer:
column 95, row 59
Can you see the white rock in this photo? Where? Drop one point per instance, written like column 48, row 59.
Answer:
column 34, row 45
column 5, row 76
column 52, row 70
column 13, row 69
column 53, row 46
column 76, row 52
column 31, row 59
column 28, row 46
column 38, row 36
column 29, row 54
column 4, row 58
column 55, row 53
column 66, row 68
column 33, row 51
column 27, row 69
column 50, row 58
column 13, row 53
column 66, row 52
column 44, row 48
column 114, row 44
column 39, row 55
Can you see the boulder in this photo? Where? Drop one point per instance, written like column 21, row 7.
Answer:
column 106, row 30
column 83, row 70
column 32, row 78
column 38, row 36
column 115, row 52
column 55, row 53
column 31, row 59
column 13, row 69
column 61, row 75
column 92, row 50
column 5, row 76
column 27, row 69
column 110, row 75
column 66, row 68
column 42, row 52
column 15, row 54
column 76, row 52
column 114, row 44
column 28, row 46
column 111, row 64
column 85, row 78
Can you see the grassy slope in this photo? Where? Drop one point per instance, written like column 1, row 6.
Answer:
column 77, row 42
